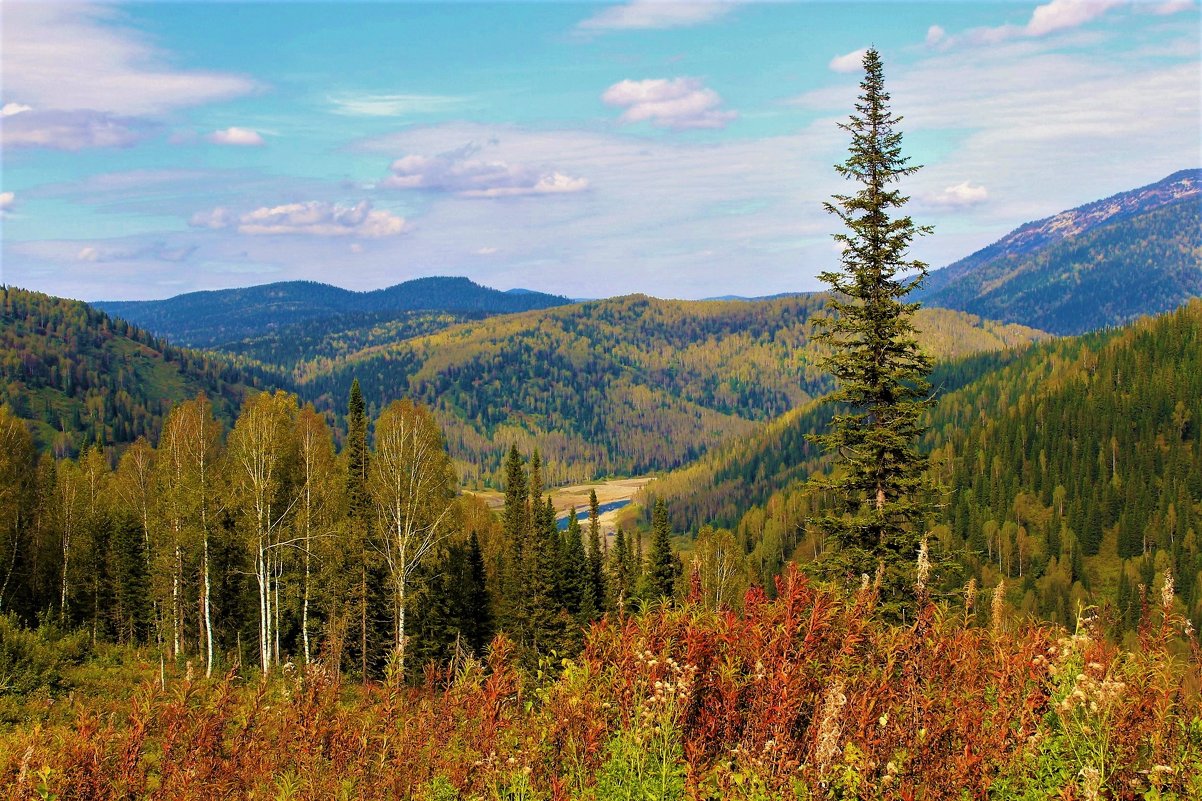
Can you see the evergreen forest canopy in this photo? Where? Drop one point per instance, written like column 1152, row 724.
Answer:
column 1071, row 469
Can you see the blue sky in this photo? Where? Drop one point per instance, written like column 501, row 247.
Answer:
column 678, row 149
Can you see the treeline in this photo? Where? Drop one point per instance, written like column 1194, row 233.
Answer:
column 263, row 544
column 1072, row 471
column 617, row 387
column 82, row 377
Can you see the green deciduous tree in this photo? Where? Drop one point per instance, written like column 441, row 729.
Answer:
column 413, row 486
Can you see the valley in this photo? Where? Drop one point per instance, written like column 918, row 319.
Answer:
column 696, row 414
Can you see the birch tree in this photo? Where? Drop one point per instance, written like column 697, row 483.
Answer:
column 258, row 452
column 412, row 485
column 70, row 498
column 315, row 507
column 17, row 460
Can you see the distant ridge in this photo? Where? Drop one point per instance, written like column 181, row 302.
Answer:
column 777, row 296
column 1099, row 265
column 216, row 317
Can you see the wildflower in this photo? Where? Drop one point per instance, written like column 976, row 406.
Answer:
column 1091, row 783
column 998, row 606
column 1166, row 591
column 830, row 725
column 924, row 566
column 970, row 595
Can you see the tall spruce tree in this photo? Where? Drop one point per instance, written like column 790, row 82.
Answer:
column 663, row 566
column 596, row 557
column 368, row 589
column 875, row 358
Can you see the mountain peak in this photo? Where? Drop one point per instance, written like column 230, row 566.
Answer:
column 1100, row 264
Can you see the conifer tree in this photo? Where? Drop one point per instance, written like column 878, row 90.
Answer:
column 359, row 521
column 875, row 358
column 479, row 622
column 663, row 566
column 574, row 571
column 514, row 527
column 595, row 587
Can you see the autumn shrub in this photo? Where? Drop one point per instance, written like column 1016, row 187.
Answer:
column 806, row 696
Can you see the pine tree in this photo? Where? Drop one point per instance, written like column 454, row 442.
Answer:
column 663, row 566
column 573, row 567
column 478, row 626
column 359, row 521
column 596, row 557
column 875, row 358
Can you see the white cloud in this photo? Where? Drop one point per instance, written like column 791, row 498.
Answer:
column 959, row 195
column 314, row 218
column 88, row 254
column 850, row 62
column 678, row 103
column 70, row 130
column 85, row 68
column 242, row 137
column 7, row 201
column 10, row 109
column 393, row 105
column 1051, row 17
column 457, row 172
column 1060, row 14
column 219, row 217
column 485, row 251
column 650, row 14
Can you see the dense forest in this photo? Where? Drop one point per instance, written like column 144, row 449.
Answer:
column 612, row 387
column 211, row 541
column 1071, row 470
column 81, row 377
column 306, row 347
column 620, row 386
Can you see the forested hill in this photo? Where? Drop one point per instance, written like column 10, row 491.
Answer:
column 220, row 317
column 80, row 376
column 745, row 473
column 1102, row 264
column 618, row 386
column 1072, row 469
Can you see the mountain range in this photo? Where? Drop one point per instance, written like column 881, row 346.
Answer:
column 1101, row 264
column 215, row 318
column 621, row 385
